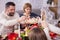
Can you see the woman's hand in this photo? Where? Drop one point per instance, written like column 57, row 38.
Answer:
column 43, row 15
column 44, row 24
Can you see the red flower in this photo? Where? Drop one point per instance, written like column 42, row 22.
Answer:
column 20, row 39
column 12, row 36
column 52, row 35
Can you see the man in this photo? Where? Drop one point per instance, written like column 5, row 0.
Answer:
column 9, row 19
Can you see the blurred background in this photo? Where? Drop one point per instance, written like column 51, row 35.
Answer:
column 19, row 3
column 36, row 4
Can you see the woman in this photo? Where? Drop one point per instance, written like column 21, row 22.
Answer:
column 49, row 27
column 27, row 8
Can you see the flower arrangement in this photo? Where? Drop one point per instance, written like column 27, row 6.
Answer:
column 32, row 20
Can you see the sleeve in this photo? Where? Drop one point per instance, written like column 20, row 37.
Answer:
column 8, row 23
column 54, row 28
column 46, row 30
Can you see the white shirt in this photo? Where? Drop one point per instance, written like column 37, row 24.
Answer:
column 49, row 27
column 54, row 28
column 7, row 21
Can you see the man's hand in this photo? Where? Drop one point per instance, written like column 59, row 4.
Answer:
column 23, row 18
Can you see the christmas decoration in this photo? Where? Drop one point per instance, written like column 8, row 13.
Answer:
column 53, row 35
